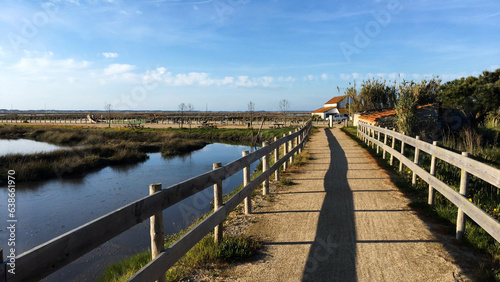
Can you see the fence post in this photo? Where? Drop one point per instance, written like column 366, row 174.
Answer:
column 415, row 161
column 265, row 167
column 378, row 139
column 464, row 185
column 276, row 159
column 285, row 150
column 433, row 173
column 246, row 180
column 290, row 144
column 372, row 134
column 156, row 230
column 297, row 140
column 402, row 153
column 385, row 143
column 392, row 145
column 217, row 204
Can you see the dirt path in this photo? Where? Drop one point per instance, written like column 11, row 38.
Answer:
column 343, row 221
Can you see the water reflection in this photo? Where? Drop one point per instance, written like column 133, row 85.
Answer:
column 25, row 146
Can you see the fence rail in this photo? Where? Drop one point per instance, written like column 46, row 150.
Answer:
column 47, row 258
column 371, row 134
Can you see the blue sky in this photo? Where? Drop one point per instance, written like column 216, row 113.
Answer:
column 222, row 54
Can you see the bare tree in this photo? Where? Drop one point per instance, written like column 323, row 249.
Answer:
column 251, row 108
column 108, row 108
column 284, row 105
column 190, row 109
column 182, row 108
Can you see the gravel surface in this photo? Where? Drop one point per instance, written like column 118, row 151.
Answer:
column 343, row 220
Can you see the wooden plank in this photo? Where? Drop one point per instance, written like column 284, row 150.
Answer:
column 479, row 169
column 464, row 187
column 432, row 172
column 489, row 224
column 175, row 252
column 218, row 202
column 157, row 231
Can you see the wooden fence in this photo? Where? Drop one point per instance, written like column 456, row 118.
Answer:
column 116, row 122
column 50, row 256
column 372, row 135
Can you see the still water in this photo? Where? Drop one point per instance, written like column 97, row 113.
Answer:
column 25, row 146
column 51, row 208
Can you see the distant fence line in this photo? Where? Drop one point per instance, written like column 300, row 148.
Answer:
column 372, row 135
column 171, row 120
column 50, row 256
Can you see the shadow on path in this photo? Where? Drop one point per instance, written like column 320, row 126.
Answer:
column 332, row 256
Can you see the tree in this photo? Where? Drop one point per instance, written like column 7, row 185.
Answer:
column 428, row 91
column 182, row 108
column 251, row 108
column 406, row 107
column 107, row 108
column 475, row 97
column 284, row 105
column 375, row 95
column 190, row 109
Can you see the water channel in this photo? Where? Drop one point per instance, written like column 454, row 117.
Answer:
column 51, row 208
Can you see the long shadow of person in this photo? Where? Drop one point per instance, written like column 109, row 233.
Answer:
column 332, row 256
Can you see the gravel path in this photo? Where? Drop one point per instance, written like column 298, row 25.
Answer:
column 343, row 220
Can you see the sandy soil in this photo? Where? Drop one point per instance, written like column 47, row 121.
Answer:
column 343, row 220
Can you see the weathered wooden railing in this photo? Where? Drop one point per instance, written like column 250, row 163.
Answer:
column 371, row 134
column 47, row 258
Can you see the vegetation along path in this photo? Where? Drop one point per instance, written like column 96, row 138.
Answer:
column 344, row 220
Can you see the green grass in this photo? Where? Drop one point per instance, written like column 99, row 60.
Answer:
column 205, row 254
column 286, row 181
column 71, row 162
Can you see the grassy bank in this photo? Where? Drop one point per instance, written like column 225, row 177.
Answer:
column 69, row 136
column 475, row 238
column 95, row 148
column 63, row 163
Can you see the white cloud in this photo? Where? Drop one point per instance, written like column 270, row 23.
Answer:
column 344, row 76
column 118, row 69
column 309, row 77
column 243, row 81
column 109, row 55
column 286, row 79
column 46, row 64
column 324, row 76
column 227, row 80
column 204, row 79
column 393, row 76
column 1, row 51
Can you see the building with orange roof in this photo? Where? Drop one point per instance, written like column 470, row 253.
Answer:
column 336, row 105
